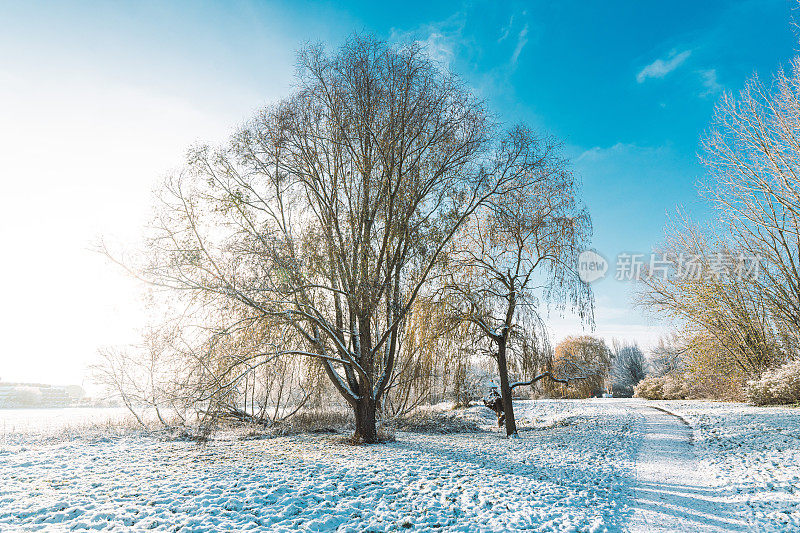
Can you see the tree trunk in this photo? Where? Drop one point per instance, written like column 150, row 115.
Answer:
column 505, row 386
column 366, row 421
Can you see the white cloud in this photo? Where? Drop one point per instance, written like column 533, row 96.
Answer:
column 709, row 79
column 439, row 47
column 522, row 40
column 661, row 67
column 443, row 40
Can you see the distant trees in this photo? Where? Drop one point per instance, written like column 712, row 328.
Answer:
column 668, row 355
column 628, row 368
column 585, row 356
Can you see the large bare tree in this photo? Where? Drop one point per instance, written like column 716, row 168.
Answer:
column 327, row 212
column 742, row 303
column 708, row 286
column 752, row 151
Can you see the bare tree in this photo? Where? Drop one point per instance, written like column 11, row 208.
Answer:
column 628, row 368
column 668, row 355
column 714, row 299
column 519, row 250
column 326, row 214
column 752, row 151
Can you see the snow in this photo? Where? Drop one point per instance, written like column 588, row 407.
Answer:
column 595, row 465
column 671, row 493
column 56, row 420
column 753, row 454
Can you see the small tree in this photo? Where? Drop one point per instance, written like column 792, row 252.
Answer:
column 521, row 251
column 587, row 356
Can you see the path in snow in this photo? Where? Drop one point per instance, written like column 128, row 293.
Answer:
column 671, row 492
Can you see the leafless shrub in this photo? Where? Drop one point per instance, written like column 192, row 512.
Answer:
column 690, row 385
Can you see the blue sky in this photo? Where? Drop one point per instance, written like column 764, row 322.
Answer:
column 98, row 100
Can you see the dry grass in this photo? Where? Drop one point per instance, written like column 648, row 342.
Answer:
column 315, row 421
column 436, row 422
column 340, row 423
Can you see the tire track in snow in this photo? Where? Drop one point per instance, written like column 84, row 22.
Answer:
column 671, row 493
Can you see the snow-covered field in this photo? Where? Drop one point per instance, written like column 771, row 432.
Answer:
column 574, row 469
column 59, row 421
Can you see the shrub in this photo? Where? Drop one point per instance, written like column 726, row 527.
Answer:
column 778, row 386
column 651, row 388
column 690, row 386
column 675, row 387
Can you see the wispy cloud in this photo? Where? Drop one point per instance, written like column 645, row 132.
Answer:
column 709, row 80
column 451, row 44
column 522, row 36
column 443, row 40
column 620, row 150
column 440, row 47
column 661, row 67
column 522, row 40
column 506, row 31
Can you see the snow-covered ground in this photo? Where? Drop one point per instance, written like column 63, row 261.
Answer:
column 753, row 453
column 671, row 491
column 59, row 421
column 591, row 465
